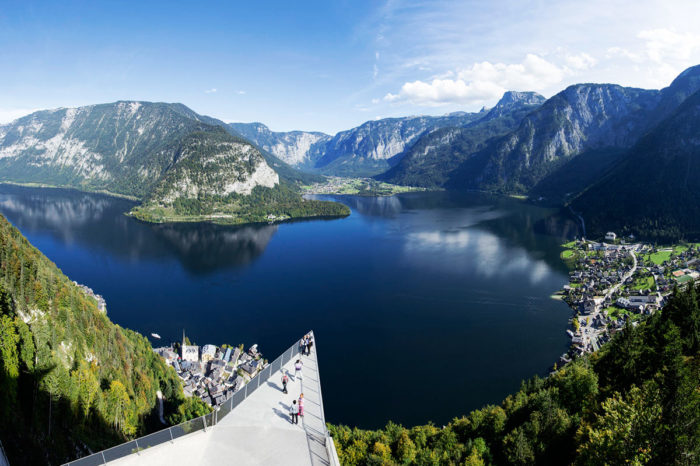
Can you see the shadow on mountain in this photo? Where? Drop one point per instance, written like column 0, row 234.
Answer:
column 38, row 428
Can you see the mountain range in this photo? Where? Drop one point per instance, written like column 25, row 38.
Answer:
column 577, row 148
column 366, row 150
column 573, row 149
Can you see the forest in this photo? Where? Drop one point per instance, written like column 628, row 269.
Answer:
column 635, row 401
column 70, row 379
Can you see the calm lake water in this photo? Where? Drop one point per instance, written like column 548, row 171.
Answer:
column 425, row 305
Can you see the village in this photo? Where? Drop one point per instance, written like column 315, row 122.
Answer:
column 212, row 373
column 616, row 282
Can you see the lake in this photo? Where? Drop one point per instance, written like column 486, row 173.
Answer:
column 424, row 305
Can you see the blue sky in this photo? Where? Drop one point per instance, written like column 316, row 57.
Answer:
column 331, row 65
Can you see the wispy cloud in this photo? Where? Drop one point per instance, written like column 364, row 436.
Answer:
column 241, row 92
column 210, row 91
column 446, row 53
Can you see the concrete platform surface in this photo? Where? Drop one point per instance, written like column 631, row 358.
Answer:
column 258, row 431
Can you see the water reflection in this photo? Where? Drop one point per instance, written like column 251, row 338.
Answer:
column 209, row 247
column 469, row 274
column 88, row 219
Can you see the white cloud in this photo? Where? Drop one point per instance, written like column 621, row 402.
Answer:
column 210, row 91
column 241, row 92
column 666, row 45
column 582, row 61
column 483, row 82
column 10, row 114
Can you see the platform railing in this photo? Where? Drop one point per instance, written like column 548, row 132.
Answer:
column 193, row 425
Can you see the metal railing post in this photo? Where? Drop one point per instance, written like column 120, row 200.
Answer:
column 138, row 449
column 170, row 430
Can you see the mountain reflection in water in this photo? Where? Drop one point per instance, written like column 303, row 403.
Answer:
column 96, row 220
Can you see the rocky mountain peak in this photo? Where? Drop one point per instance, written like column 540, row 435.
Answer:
column 513, row 98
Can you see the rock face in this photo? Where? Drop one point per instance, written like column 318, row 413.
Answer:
column 375, row 146
column 514, row 100
column 212, row 164
column 300, row 149
column 129, row 148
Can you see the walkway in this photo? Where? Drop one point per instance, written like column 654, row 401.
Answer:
column 258, row 431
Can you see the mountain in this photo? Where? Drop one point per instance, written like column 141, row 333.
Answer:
column 140, row 150
column 366, row 150
column 583, row 129
column 375, row 146
column 654, row 190
column 300, row 149
column 71, row 380
column 580, row 118
column 430, row 161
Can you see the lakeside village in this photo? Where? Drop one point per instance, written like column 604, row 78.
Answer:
column 212, row 373
column 616, row 281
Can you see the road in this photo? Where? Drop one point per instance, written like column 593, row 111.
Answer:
column 625, row 277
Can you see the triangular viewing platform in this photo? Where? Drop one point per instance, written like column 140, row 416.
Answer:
column 252, row 427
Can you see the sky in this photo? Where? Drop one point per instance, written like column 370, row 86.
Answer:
column 332, row 65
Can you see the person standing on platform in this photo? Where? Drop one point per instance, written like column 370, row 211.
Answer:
column 294, row 412
column 309, row 344
column 285, row 381
column 297, row 369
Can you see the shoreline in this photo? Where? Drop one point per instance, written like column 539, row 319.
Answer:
column 72, row 188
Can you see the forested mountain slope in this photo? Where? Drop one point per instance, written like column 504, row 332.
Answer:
column 70, row 379
column 654, row 190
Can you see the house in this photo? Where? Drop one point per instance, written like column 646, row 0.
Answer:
column 208, row 352
column 610, row 236
column 251, row 367
column 654, row 299
column 227, row 355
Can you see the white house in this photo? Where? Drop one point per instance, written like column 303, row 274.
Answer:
column 208, row 352
column 610, row 236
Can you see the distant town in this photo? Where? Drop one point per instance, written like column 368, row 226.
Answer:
column 212, row 373
column 617, row 281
